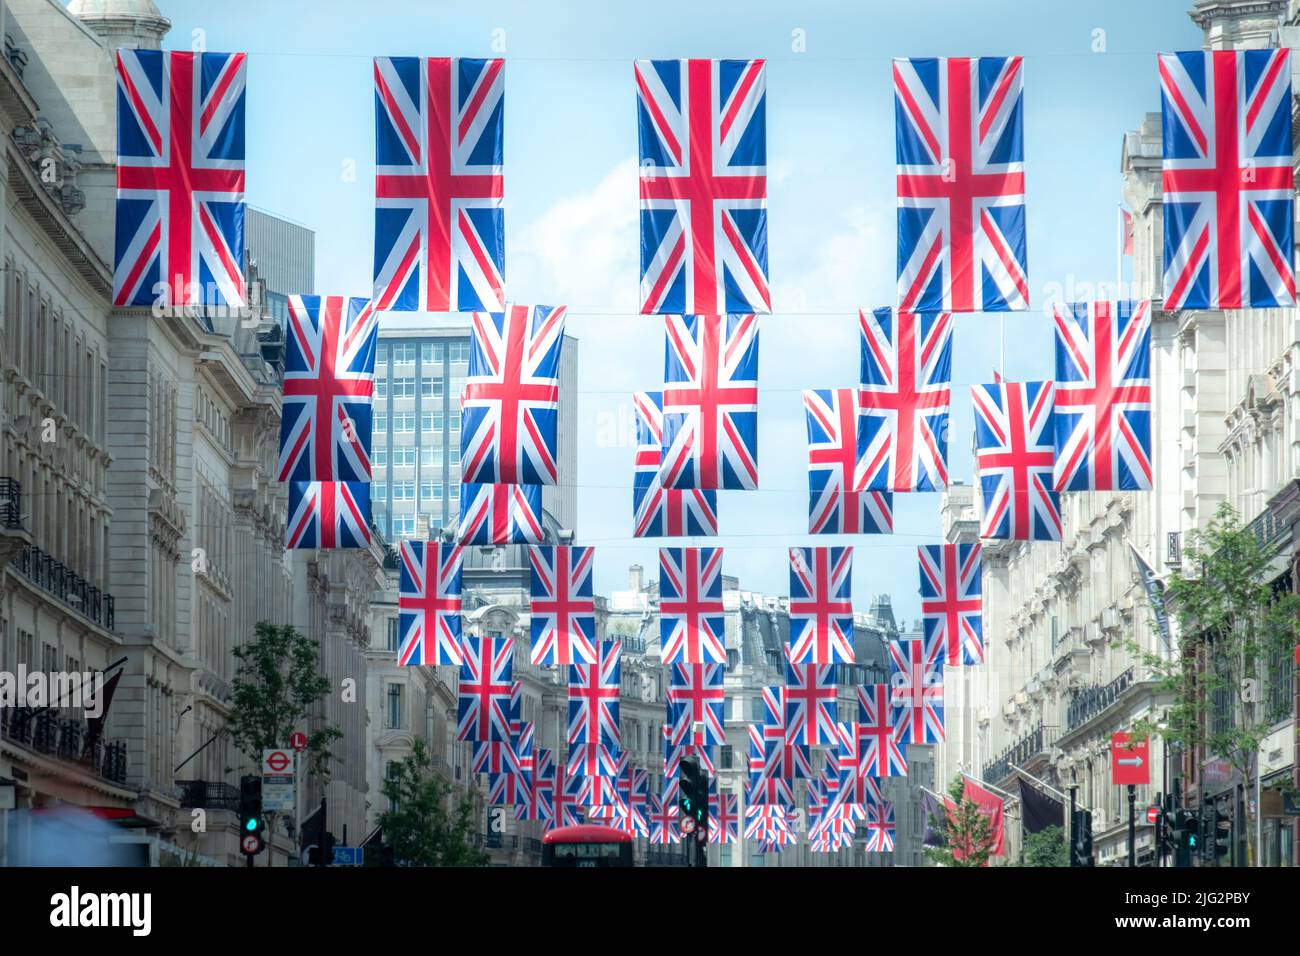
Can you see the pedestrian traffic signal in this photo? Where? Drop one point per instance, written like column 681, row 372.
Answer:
column 693, row 796
column 252, row 825
column 1081, row 844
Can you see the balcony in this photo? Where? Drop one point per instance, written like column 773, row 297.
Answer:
column 66, row 585
column 1034, row 743
column 11, row 504
column 1091, row 701
column 208, row 795
column 66, row 738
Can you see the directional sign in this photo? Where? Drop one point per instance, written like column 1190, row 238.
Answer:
column 1130, row 760
column 298, row 741
column 348, row 856
column 278, row 794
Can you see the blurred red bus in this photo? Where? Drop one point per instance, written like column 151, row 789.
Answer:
column 586, row 845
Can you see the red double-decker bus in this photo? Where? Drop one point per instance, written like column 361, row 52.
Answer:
column 586, row 845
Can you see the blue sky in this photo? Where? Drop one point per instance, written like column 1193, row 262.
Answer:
column 571, row 202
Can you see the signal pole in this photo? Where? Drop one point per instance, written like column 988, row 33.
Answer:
column 1132, row 825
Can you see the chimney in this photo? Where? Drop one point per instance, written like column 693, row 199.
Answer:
column 636, row 577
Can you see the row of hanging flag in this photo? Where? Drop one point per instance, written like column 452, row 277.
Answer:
column 439, row 239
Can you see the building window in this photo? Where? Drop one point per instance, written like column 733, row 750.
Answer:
column 458, row 353
column 379, row 491
column 394, row 706
column 454, row 424
column 403, row 491
column 426, row 353
column 404, row 456
column 391, row 773
column 403, row 525
column 437, row 491
column 403, row 353
column 380, row 458
column 392, row 634
column 426, row 489
column 381, row 387
column 430, row 388
column 404, row 387
column 404, row 423
column 382, row 355
column 725, row 760
column 380, row 424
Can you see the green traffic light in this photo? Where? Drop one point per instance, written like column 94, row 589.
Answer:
column 251, row 825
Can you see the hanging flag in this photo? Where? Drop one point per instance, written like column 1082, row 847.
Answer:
column 1155, row 589
column 961, row 184
column 916, row 688
column 692, row 627
column 500, row 514
column 903, row 403
column 592, row 760
column 880, row 828
column 1103, row 397
column 724, row 818
column 439, row 185
column 562, row 609
column 663, row 820
column 952, row 603
column 565, row 797
column 1125, row 232
column 329, row 382
column 765, row 783
column 493, row 756
column 594, row 698
column 810, row 703
column 428, row 603
column 507, row 789
column 703, row 156
column 696, row 696
column 879, row 727
column 1038, row 810
column 660, row 512
column 328, row 514
column 485, row 689
column 1014, row 461
column 710, row 402
column 540, row 804
column 850, row 776
column 785, row 757
column 936, row 819
column 510, row 407
column 180, row 179
column 837, row 501
column 990, row 805
column 1229, row 191
column 821, row 607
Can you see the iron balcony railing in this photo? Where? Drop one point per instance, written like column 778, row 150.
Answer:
column 49, row 733
column 67, row 585
column 1036, row 741
column 208, row 795
column 1091, row 701
column 11, row 503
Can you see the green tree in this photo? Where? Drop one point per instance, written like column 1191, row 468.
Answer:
column 1045, row 848
column 276, row 688
column 966, row 830
column 1235, row 631
column 421, row 825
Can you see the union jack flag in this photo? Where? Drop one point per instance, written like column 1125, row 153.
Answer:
column 566, row 798
column 695, row 695
column 961, row 184
column 1103, row 397
column 710, row 401
column 328, row 514
column 848, row 781
column 180, row 179
column 1228, row 181
column 703, row 156
column 512, row 397
column 880, row 828
column 540, row 803
column 838, row 502
column 663, row 820
column 952, row 604
column 562, row 608
column 593, row 698
column 486, row 687
column 810, row 703
column 786, row 758
column 1015, row 458
column 691, row 623
column 593, row 760
column 724, row 818
column 508, row 788
column 500, row 514
column 916, row 687
column 766, row 822
column 880, row 753
column 821, row 609
column 428, row 603
column 329, row 382
column 439, row 184
column 493, row 757
column 904, row 400
column 660, row 512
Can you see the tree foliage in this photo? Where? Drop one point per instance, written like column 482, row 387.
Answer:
column 1234, row 629
column 420, row 825
column 1045, row 848
column 965, row 828
column 277, row 686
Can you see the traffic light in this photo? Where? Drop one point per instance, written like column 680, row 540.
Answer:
column 252, row 825
column 1221, row 824
column 323, row 854
column 693, row 798
column 1186, row 836
column 1081, row 845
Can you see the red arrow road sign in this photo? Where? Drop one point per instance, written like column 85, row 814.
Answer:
column 1130, row 761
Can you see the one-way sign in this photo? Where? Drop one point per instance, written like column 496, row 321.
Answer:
column 1130, row 761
